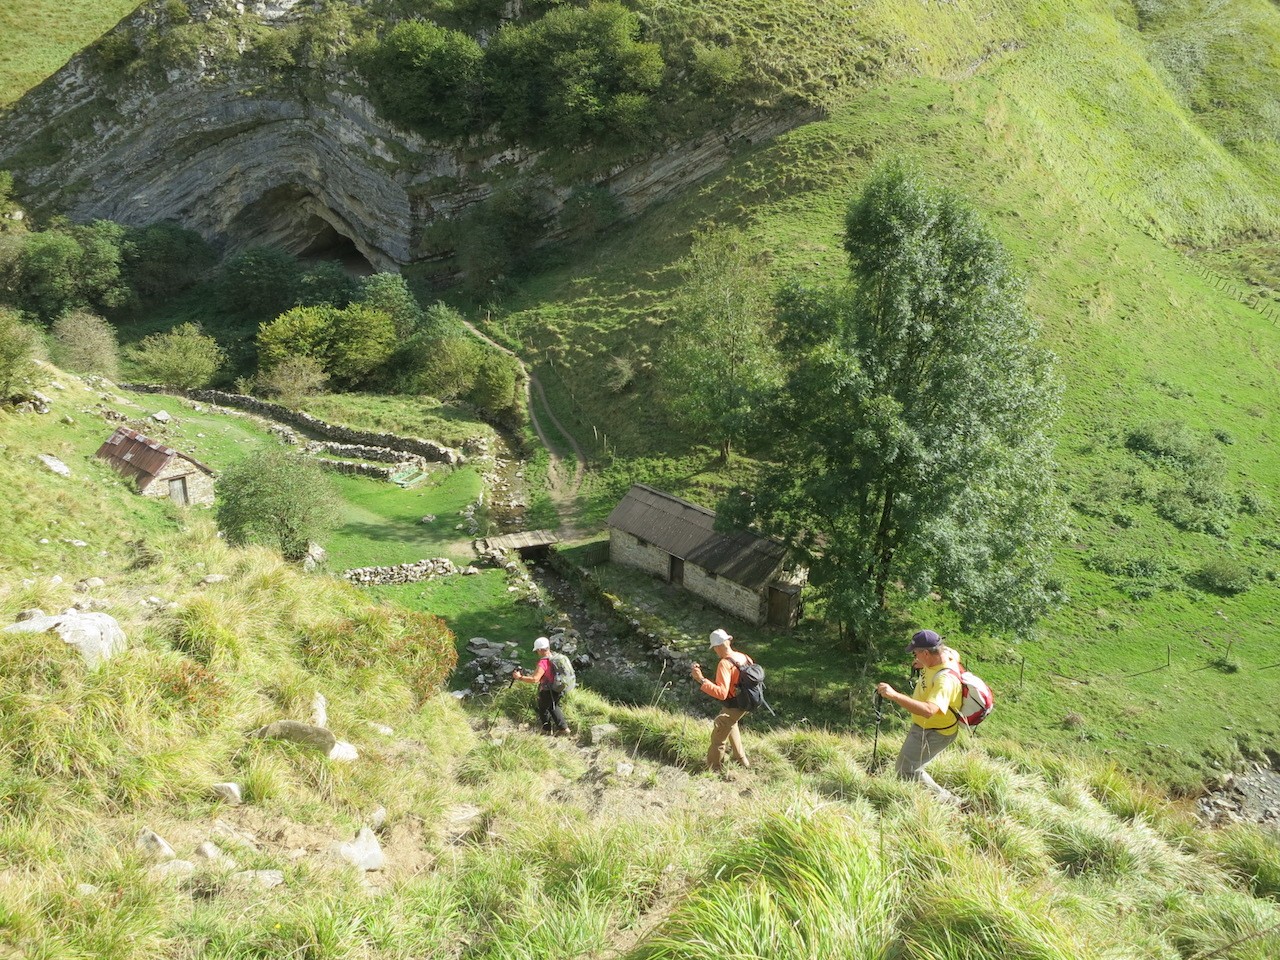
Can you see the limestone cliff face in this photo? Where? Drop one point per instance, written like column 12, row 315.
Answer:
column 292, row 163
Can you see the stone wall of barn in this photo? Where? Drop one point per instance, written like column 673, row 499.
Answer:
column 733, row 597
column 199, row 483
column 633, row 552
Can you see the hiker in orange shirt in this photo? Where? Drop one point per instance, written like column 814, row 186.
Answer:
column 724, row 688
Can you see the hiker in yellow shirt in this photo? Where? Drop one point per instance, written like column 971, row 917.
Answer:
column 933, row 706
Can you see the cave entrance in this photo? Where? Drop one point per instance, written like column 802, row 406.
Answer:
column 296, row 220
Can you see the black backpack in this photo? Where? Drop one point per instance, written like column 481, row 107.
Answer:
column 750, row 688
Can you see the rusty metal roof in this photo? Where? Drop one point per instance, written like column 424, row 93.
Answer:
column 139, row 457
column 687, row 531
column 516, row 541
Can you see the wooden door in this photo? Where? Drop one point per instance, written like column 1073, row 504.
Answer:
column 676, row 573
column 178, row 491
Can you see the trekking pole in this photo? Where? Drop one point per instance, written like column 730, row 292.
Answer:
column 875, row 743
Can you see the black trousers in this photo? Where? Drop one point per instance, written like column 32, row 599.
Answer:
column 549, row 713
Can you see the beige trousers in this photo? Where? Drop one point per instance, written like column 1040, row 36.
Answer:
column 726, row 729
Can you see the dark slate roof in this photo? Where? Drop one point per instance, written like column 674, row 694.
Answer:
column 139, row 457
column 687, row 531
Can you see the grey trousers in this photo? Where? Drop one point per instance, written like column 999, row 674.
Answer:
column 919, row 748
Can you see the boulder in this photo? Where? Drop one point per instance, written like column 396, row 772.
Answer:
column 161, row 416
column 154, row 846
column 213, row 578
column 29, row 614
column 95, row 636
column 89, row 583
column 306, row 734
column 320, row 710
column 228, row 793
column 343, row 752
column 378, row 818
column 364, row 851
column 211, row 852
column 56, row 465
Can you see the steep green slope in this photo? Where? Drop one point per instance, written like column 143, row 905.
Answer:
column 1101, row 159
column 499, row 843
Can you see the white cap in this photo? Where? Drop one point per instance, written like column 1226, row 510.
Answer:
column 542, row 643
column 719, row 637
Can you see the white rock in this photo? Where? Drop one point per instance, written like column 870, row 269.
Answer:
column 602, row 732
column 29, row 614
column 86, row 889
column 319, row 710
column 624, row 768
column 56, row 465
column 364, row 851
column 381, row 728
column 262, row 879
column 153, row 845
column 228, row 793
column 378, row 818
column 234, row 834
column 95, row 636
column 161, row 416
column 89, row 583
column 343, row 752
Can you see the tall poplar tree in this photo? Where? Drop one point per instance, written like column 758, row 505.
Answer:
column 910, row 443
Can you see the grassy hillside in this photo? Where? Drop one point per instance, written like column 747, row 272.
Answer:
column 499, row 843
column 1105, row 147
column 40, row 36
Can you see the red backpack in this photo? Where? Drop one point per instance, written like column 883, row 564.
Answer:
column 976, row 699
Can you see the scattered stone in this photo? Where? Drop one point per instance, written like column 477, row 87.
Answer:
column 602, row 733
column 457, row 821
column 296, row 732
column 229, row 793
column 381, row 728
column 343, row 752
column 213, row 853
column 625, row 768
column 89, row 583
column 86, row 889
column 364, row 851
column 429, row 518
column 154, row 846
column 232, row 833
column 95, row 636
column 378, row 818
column 175, row 871
column 161, row 416
column 56, row 465
column 319, row 710
column 68, row 419
column 261, row 879
column 29, row 614
column 213, row 578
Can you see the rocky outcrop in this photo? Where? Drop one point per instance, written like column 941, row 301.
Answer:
column 244, row 159
column 95, row 636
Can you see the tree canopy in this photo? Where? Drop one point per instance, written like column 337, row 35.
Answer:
column 278, row 498
column 910, row 441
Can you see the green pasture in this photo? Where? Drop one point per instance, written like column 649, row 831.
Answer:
column 39, row 37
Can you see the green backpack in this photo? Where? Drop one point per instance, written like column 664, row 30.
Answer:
column 565, row 679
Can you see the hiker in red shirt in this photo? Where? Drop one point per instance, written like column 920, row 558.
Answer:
column 724, row 688
column 544, row 675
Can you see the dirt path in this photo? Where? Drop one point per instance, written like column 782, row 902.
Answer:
column 563, row 489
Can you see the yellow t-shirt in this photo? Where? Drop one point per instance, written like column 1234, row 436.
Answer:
column 941, row 686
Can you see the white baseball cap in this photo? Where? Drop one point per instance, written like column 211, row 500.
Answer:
column 719, row 637
column 542, row 643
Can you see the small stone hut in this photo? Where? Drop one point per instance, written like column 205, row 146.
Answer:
column 159, row 471
column 742, row 572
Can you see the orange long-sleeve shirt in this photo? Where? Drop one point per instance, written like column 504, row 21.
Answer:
column 725, row 686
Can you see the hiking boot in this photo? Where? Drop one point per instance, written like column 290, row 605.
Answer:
column 566, row 732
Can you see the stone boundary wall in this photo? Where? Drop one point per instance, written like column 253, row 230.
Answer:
column 416, row 446
column 360, row 451
column 373, row 470
column 414, row 572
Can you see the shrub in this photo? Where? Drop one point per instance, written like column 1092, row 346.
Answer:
column 1141, row 566
column 1167, row 439
column 278, row 498
column 293, row 379
column 19, row 346
column 425, row 76
column 300, row 332
column 184, row 357
column 60, row 270
column 350, row 343
column 164, row 259
column 261, row 282
column 577, row 73
column 326, row 284
column 86, row 343
column 443, row 369
column 1226, row 575
column 589, row 210
column 495, row 387
column 389, row 293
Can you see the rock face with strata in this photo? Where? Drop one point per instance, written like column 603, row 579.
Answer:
column 246, row 159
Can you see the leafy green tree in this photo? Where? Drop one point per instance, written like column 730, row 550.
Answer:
column 162, row 259
column 300, row 332
column 261, row 282
column 390, row 293
column 718, row 358
column 444, row 368
column 425, row 76
column 278, row 498
column 361, row 339
column 326, row 283
column 576, row 73
column 84, row 342
column 911, row 440
column 496, row 386
column 66, row 268
column 293, row 380
column 184, row 357
column 19, row 347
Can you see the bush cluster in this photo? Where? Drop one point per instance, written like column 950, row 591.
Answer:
column 574, row 75
column 1225, row 575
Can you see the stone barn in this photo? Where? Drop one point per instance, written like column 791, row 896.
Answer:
column 742, row 572
column 159, row 471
